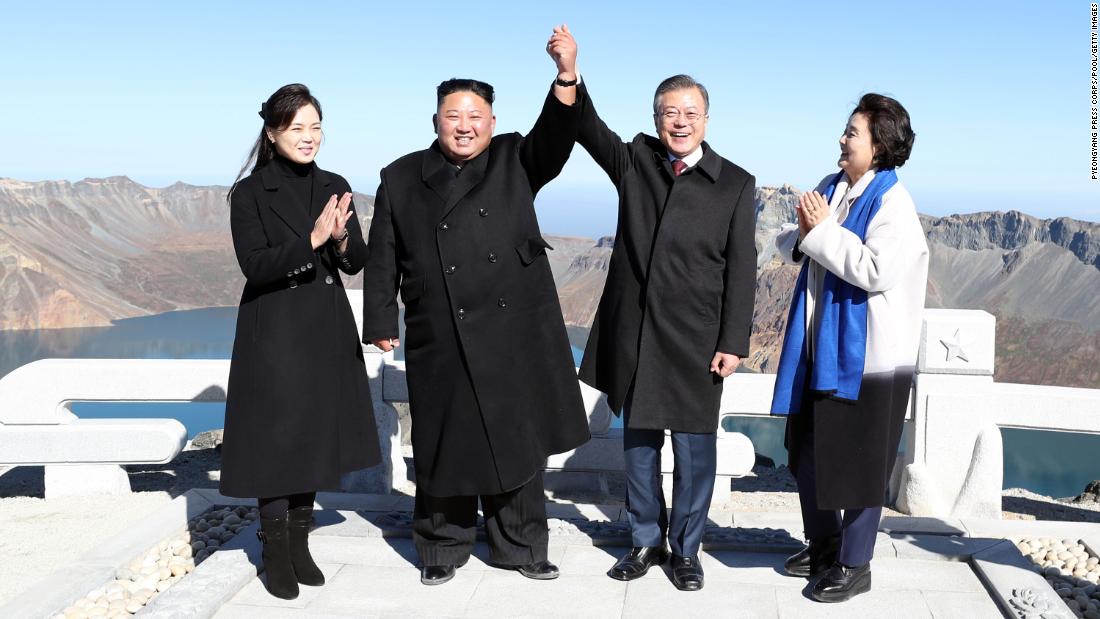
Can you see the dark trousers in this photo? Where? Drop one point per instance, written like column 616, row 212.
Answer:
column 445, row 528
column 695, row 459
column 857, row 527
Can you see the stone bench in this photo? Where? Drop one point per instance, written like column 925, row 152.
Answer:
column 83, row 456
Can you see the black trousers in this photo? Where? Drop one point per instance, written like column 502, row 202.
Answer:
column 856, row 527
column 445, row 528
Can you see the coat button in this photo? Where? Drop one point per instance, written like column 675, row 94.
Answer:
column 492, row 257
column 293, row 284
column 461, row 313
column 297, row 271
column 290, row 273
column 328, row 279
column 309, row 265
column 450, row 269
column 482, row 212
column 443, row 225
column 502, row 303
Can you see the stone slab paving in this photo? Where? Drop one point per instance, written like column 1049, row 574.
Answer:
column 374, row 576
column 923, row 568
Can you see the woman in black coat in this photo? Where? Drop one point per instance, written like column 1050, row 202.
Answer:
column 298, row 413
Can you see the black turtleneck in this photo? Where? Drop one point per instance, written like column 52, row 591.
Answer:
column 298, row 177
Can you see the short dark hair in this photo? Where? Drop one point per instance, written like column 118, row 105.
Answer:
column 680, row 82
column 455, row 84
column 891, row 133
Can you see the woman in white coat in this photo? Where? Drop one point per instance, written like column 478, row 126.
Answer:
column 851, row 344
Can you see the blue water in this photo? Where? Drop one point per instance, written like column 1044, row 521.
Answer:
column 1053, row 463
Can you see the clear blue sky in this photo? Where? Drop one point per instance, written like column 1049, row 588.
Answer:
column 160, row 92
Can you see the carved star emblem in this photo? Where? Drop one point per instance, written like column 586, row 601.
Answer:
column 955, row 348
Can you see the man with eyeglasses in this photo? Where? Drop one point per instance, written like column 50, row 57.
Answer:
column 675, row 315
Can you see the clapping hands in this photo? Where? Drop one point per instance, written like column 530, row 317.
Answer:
column 332, row 222
column 812, row 210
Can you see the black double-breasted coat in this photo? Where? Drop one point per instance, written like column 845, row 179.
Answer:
column 680, row 284
column 492, row 384
column 298, row 412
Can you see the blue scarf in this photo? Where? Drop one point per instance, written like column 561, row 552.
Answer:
column 840, row 342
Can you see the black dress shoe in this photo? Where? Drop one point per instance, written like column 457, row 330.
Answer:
column 818, row 556
column 842, row 583
column 436, row 574
column 542, row 570
column 637, row 562
column 687, row 573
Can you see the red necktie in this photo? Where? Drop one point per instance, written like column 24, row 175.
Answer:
column 678, row 166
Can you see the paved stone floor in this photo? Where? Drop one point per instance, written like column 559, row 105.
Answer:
column 373, row 576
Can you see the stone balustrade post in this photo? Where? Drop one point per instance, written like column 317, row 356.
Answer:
column 954, row 461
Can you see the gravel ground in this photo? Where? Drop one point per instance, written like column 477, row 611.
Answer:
column 37, row 536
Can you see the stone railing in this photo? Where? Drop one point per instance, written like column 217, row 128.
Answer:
column 952, row 463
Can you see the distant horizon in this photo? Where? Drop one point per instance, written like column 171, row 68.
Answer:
column 550, row 204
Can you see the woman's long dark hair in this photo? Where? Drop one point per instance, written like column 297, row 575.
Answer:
column 278, row 112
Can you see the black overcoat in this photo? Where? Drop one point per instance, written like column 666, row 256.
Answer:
column 680, row 284
column 492, row 385
column 298, row 413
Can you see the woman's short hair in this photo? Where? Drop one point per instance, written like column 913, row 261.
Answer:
column 891, row 132
column 456, row 84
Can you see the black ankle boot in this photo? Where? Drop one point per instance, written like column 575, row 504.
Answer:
column 299, row 520
column 280, row 580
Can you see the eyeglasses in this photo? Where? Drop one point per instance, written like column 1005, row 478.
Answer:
column 691, row 116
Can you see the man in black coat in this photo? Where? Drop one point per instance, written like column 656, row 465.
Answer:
column 675, row 315
column 492, row 384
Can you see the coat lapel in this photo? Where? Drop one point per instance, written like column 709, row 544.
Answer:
column 437, row 172
column 283, row 203
column 471, row 176
column 321, row 193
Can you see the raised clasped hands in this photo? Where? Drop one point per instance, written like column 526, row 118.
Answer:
column 562, row 47
column 812, row 210
column 332, row 222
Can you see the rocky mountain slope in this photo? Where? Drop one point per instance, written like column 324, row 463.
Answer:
column 85, row 253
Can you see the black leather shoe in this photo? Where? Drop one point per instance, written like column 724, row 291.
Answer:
column 687, row 573
column 637, row 562
column 542, row 570
column 818, row 556
column 842, row 583
column 436, row 574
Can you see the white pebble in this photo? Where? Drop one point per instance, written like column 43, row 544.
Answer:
column 183, row 551
column 179, row 569
column 133, row 607
column 163, row 586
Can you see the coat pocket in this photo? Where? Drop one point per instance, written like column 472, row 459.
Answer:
column 531, row 249
column 411, row 289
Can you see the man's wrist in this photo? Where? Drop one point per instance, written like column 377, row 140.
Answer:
column 570, row 77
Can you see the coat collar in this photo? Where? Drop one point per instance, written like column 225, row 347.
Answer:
column 436, row 173
column 285, row 207
column 710, row 165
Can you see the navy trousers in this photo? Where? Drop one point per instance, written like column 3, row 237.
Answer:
column 694, row 465
column 857, row 527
